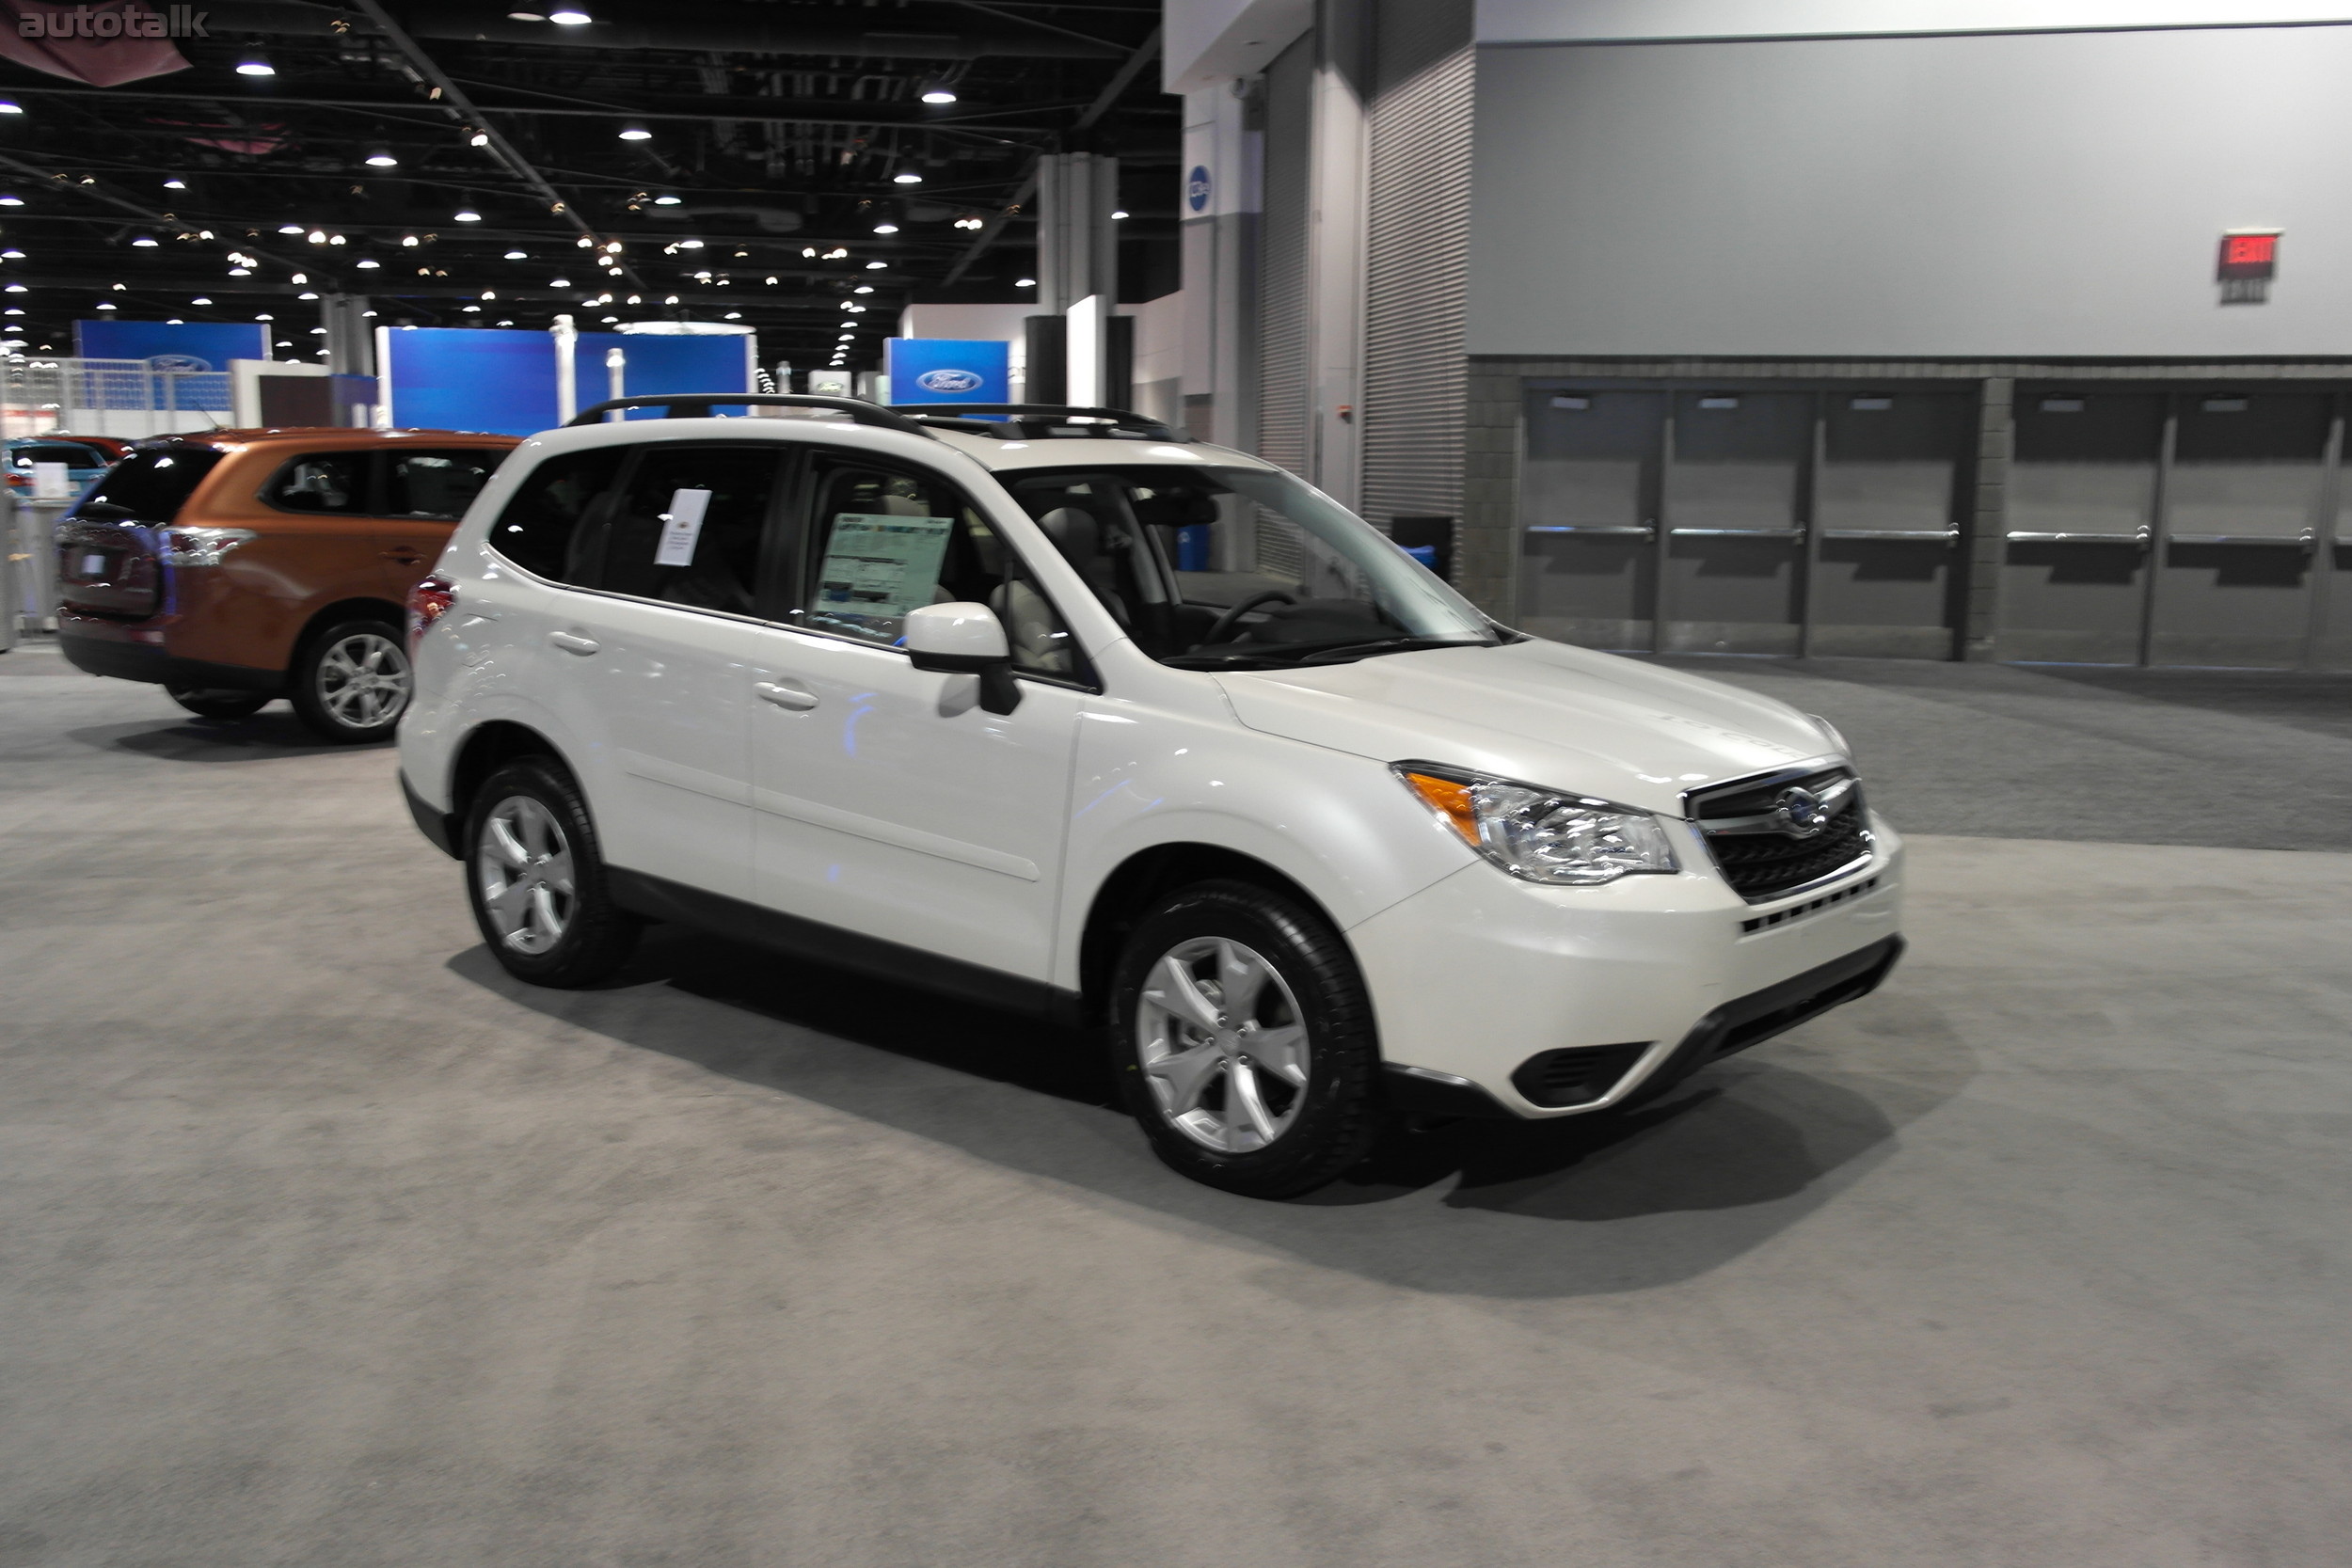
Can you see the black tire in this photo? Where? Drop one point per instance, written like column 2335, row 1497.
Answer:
column 210, row 702
column 1321, row 1127
column 593, row 937
column 351, row 681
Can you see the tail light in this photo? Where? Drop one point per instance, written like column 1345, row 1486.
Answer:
column 428, row 601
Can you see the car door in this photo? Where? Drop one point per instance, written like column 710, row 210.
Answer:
column 887, row 801
column 424, row 491
column 653, row 670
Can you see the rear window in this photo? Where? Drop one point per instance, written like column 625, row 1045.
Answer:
column 73, row 458
column 151, row 486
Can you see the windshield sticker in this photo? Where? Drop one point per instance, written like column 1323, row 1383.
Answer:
column 681, row 527
column 881, row 565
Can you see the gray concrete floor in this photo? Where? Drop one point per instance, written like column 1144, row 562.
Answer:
column 321, row 1244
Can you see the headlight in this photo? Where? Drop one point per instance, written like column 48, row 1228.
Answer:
column 1835, row 737
column 1542, row 835
column 199, row 547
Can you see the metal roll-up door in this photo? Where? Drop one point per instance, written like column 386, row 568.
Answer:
column 1418, row 258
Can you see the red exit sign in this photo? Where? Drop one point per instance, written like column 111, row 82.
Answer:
column 2252, row 254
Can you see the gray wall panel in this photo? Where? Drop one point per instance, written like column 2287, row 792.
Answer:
column 1993, row 196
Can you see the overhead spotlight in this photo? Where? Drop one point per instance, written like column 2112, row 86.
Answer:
column 569, row 16
column 15, row 288
column 306, row 296
column 297, row 280
column 941, row 94
column 489, row 293
column 614, row 245
column 14, row 311
column 524, row 16
column 635, row 300
column 807, row 252
column 290, row 229
column 199, row 300
column 876, row 266
column 772, row 280
column 145, row 242
column 254, row 63
column 480, row 138
column 11, row 106
column 906, row 177
column 472, row 310
column 265, row 316
column 105, row 305
column 610, row 320
column 174, row 320
column 336, row 239
column 248, row 272
column 885, row 228
column 518, row 255
column 382, row 158
column 410, row 239
column 11, row 202
column 316, row 236
column 1116, row 215
column 12, row 254
column 367, row 263
column 465, row 215
column 690, row 245
column 635, row 133
column 735, row 315
column 559, row 282
column 507, row 323
column 670, row 300
column 175, row 185
column 667, row 201
column 863, row 289
column 1025, row 283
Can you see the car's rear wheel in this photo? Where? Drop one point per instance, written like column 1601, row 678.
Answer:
column 350, row 682
column 210, row 702
column 1242, row 1035
column 537, row 883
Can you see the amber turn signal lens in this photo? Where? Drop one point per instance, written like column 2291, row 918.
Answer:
column 1450, row 801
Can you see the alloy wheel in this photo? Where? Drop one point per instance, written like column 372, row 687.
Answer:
column 363, row 680
column 1222, row 1045
column 525, row 867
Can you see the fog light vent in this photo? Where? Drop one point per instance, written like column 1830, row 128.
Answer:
column 1577, row 1075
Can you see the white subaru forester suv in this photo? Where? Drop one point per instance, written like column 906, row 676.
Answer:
column 1058, row 709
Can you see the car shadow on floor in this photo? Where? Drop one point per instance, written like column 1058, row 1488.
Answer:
column 1738, row 1155
column 270, row 733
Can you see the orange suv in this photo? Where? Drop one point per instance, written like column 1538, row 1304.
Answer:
column 234, row 566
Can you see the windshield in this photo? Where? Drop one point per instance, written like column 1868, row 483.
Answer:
column 1242, row 568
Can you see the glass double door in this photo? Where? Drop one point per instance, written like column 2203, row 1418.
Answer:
column 1745, row 522
column 2170, row 527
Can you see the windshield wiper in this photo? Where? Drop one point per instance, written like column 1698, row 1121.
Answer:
column 1388, row 645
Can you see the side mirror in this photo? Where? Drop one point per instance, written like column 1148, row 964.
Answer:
column 964, row 639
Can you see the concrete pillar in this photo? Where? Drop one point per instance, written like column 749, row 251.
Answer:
column 1338, row 188
column 1077, row 256
column 1223, row 165
column 350, row 343
column 1987, row 545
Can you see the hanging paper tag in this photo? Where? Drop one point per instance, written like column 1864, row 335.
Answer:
column 681, row 525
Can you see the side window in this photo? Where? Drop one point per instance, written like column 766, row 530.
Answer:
column 882, row 543
column 688, row 530
column 540, row 529
column 439, row 484
column 331, row 482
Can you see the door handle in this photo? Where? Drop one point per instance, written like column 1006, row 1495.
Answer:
column 406, row 558
column 798, row 698
column 572, row 642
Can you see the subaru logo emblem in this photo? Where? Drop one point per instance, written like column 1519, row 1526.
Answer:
column 1196, row 188
column 945, row 380
column 1799, row 812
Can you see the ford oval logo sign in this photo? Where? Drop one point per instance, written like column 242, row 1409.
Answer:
column 1196, row 188
column 946, row 380
column 181, row 362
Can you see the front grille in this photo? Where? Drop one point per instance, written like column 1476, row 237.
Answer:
column 1755, row 844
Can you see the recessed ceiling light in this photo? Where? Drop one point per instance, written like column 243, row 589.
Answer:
column 635, row 133
column 465, row 215
column 367, row 263
column 11, row 106
column 174, row 320
column 15, row 288
column 1118, row 215
column 863, row 289
column 199, row 300
column 306, row 297
column 248, row 272
column 907, row 178
column 145, row 242
column 12, row 254
column 667, row 201
column 11, row 202
column 735, row 315
column 559, row 282
column 175, row 185
column 382, row 158
column 290, row 229
column 939, row 95
column 885, row 228
column 570, row 16
column 255, row 63
column 1025, row 283
column 106, row 305
column 518, row 255
column 265, row 316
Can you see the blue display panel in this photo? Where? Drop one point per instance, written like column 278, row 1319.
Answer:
column 188, row 346
column 470, row 378
column 948, row 369
column 659, row 363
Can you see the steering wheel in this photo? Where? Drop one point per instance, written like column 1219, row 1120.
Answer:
column 1225, row 622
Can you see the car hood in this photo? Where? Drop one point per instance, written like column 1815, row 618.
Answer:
column 1565, row 718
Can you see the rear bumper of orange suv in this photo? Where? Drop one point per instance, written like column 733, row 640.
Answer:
column 138, row 651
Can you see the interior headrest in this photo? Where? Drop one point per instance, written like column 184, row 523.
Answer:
column 1074, row 533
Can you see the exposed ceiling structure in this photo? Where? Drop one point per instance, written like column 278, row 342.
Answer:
column 802, row 166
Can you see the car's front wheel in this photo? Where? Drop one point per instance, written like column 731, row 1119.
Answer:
column 537, row 883
column 210, row 702
column 350, row 682
column 1243, row 1037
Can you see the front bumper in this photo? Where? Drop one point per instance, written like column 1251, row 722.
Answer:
column 1541, row 1002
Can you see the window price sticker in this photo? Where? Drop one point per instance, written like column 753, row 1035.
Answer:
column 681, row 527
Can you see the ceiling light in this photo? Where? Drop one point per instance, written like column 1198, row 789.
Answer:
column 316, row 236
column 297, row 278
column 569, row 16
column 175, row 185
column 11, row 202
column 559, row 282
column 690, row 245
column 12, row 254
column 248, row 272
column 16, row 289
column 635, row 133
column 524, row 16
column 863, row 289
column 145, row 242
column 636, row 299
column 306, row 297
column 667, row 201
column 772, row 280
column 105, row 305
column 906, row 177
column 199, row 300
column 885, row 228
column 807, row 251
column 265, row 316
column 14, row 312
column 1118, row 215
column 174, row 320
column 472, row 309
column 480, row 138
column 255, row 63
column 11, row 106
column 1025, row 283
column 609, row 319
column 466, row 214
column 382, row 158
column 876, row 266
column 507, row 323
column 518, row 255
column 939, row 95
column 367, row 263
column 290, row 229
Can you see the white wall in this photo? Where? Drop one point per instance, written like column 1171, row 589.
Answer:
column 1622, row 21
column 2054, row 194
column 1209, row 41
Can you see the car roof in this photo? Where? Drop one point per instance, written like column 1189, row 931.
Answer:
column 326, row 436
column 1079, row 452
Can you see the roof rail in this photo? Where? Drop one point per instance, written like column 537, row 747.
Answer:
column 1032, row 417
column 680, row 405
